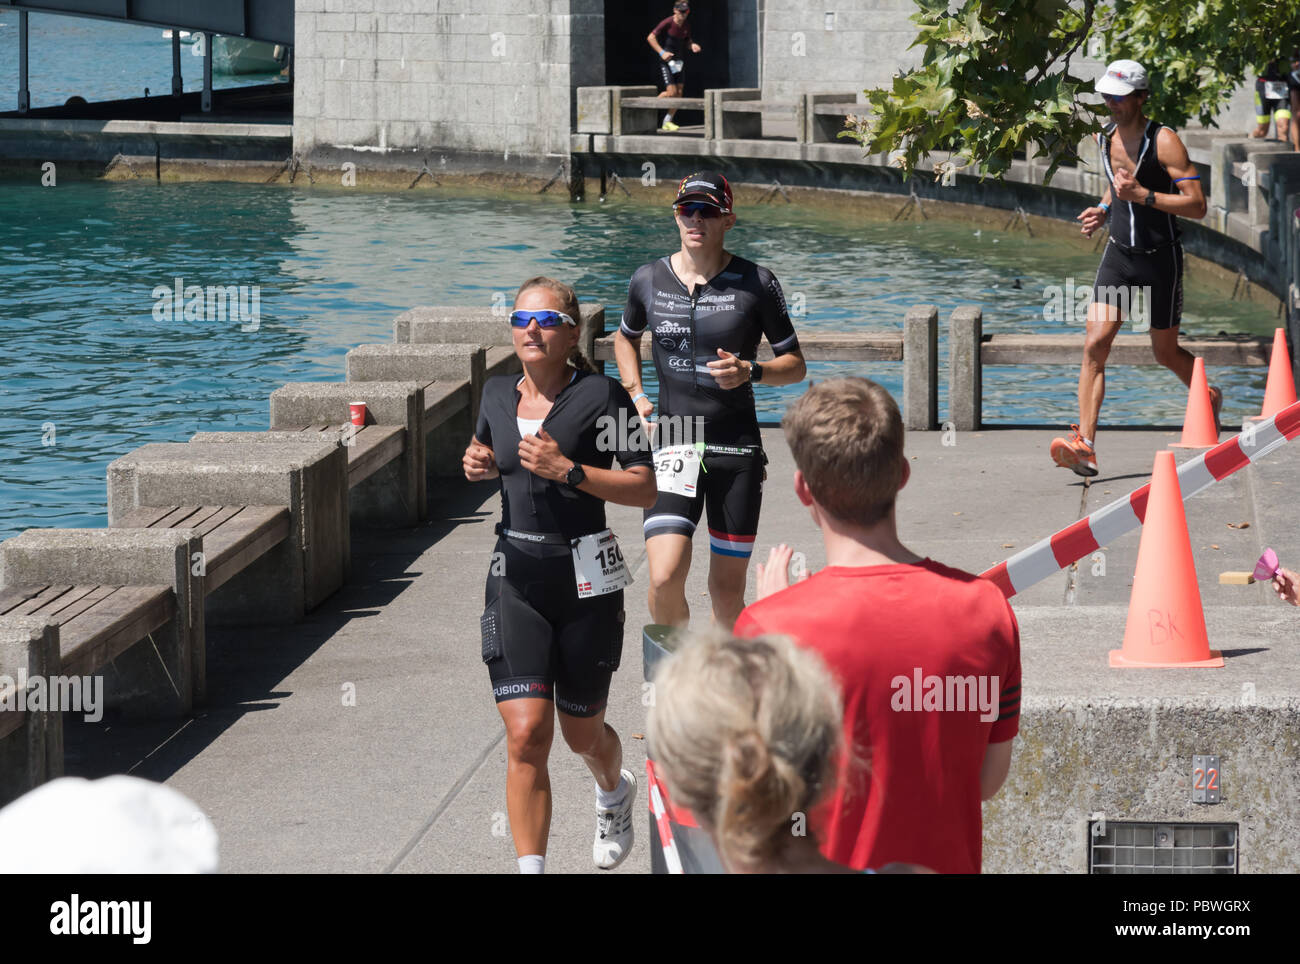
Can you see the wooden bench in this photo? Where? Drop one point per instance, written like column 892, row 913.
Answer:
column 96, row 623
column 234, row 536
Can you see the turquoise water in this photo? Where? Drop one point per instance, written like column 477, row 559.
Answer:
column 88, row 367
column 96, row 59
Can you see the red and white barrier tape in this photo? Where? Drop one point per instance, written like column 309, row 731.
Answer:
column 1086, row 536
column 660, row 812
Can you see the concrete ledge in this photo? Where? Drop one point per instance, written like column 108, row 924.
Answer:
column 395, row 495
column 484, row 326
column 309, row 478
column 1119, row 743
column 31, row 741
column 128, row 557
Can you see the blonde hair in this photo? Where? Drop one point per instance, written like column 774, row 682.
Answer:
column 568, row 299
column 846, row 436
column 745, row 732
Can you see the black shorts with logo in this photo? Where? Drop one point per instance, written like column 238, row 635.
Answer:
column 666, row 76
column 730, row 486
column 539, row 639
column 1156, row 272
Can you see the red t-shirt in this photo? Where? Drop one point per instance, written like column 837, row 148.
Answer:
column 671, row 36
column 928, row 660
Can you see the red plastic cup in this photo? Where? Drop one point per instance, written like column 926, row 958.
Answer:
column 358, row 410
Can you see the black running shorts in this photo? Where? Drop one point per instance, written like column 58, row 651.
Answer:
column 539, row 639
column 730, row 486
column 1156, row 274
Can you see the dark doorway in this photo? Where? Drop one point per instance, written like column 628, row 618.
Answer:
column 727, row 30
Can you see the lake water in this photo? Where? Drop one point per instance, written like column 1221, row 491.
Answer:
column 88, row 367
column 96, row 59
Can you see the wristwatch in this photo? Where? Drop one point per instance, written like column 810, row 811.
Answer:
column 1150, row 199
column 755, row 372
column 576, row 476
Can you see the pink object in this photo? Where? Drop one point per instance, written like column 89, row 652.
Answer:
column 1268, row 566
column 358, row 410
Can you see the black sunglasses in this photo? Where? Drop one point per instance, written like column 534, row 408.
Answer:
column 691, row 209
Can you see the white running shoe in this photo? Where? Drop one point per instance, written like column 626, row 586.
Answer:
column 614, row 833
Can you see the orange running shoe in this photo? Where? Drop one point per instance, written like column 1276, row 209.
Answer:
column 1073, row 454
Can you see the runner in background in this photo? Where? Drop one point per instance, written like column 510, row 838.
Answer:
column 1272, row 101
column 670, row 39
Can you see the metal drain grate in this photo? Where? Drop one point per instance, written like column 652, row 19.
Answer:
column 1161, row 848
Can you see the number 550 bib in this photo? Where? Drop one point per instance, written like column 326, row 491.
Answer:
column 677, row 469
column 598, row 564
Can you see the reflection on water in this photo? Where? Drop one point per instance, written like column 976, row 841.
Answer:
column 87, row 366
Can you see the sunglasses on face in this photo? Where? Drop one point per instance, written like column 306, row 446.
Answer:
column 706, row 211
column 1114, row 98
column 545, row 318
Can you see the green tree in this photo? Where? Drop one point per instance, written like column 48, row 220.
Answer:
column 999, row 75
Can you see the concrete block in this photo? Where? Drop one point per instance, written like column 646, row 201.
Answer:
column 965, row 376
column 31, row 742
column 420, row 363
column 163, row 675
column 595, row 110
column 718, row 124
column 309, row 478
column 921, row 368
column 484, row 326
column 395, row 495
column 632, row 121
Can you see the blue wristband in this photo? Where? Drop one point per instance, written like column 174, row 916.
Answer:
column 639, row 395
column 1104, row 206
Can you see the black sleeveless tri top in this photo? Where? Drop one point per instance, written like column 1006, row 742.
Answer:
column 1132, row 223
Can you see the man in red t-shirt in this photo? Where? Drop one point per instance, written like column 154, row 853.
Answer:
column 927, row 657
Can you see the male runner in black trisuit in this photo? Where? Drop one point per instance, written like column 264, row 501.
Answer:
column 706, row 310
column 552, row 626
column 1152, row 183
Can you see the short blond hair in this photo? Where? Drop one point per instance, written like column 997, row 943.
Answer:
column 846, row 435
column 746, row 734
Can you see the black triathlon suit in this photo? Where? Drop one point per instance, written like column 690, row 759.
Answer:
column 1144, row 252
column 734, row 311
column 539, row 639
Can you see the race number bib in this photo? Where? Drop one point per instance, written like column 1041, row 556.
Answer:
column 677, row 469
column 1275, row 90
column 675, row 66
column 598, row 564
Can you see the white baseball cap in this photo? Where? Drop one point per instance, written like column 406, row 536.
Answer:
column 1122, row 77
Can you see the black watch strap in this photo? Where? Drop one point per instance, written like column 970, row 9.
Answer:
column 755, row 372
column 576, row 476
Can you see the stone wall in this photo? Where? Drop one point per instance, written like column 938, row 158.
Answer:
column 484, row 77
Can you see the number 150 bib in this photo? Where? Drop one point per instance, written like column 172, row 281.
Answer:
column 598, row 564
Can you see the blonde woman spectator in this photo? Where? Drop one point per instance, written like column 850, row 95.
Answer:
column 746, row 733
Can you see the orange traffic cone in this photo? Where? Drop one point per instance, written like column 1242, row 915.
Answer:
column 1199, row 430
column 1166, row 624
column 1279, row 390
